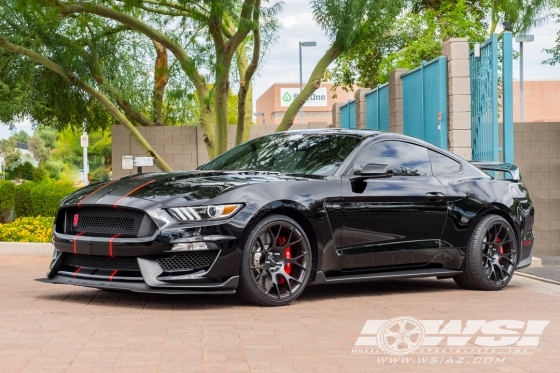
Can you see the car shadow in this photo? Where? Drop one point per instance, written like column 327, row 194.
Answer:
column 313, row 294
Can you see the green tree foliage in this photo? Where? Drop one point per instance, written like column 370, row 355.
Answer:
column 555, row 51
column 347, row 24
column 68, row 151
column 23, row 203
column 38, row 148
column 8, row 150
column 7, row 198
column 22, row 137
column 415, row 36
column 129, row 60
column 522, row 14
column 46, row 197
column 23, row 170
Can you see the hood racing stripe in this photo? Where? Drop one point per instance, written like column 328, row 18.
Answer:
column 95, row 191
column 132, row 191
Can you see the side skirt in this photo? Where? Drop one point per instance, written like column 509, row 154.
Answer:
column 320, row 277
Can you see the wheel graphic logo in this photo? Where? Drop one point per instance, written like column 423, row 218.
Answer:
column 401, row 335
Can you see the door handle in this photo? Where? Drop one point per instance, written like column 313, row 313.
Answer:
column 434, row 196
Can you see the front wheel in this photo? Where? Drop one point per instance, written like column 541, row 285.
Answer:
column 276, row 262
column 491, row 255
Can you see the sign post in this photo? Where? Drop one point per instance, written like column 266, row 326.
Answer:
column 140, row 162
column 84, row 142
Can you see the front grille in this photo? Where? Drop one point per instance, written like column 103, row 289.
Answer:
column 187, row 261
column 101, row 262
column 105, row 222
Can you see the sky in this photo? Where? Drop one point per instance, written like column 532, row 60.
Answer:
column 282, row 61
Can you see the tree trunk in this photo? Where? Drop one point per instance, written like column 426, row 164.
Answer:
column 244, row 98
column 221, row 103
column 314, row 82
column 161, row 77
column 100, row 97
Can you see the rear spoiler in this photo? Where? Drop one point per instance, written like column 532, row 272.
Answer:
column 512, row 169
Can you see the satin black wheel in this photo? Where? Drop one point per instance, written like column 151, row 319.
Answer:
column 276, row 262
column 491, row 256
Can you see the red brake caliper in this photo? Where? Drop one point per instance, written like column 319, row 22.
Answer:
column 288, row 255
column 501, row 247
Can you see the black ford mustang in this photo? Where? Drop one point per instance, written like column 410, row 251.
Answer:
column 283, row 211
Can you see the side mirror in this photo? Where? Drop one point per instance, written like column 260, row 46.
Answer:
column 374, row 171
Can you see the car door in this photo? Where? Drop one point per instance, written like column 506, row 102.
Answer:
column 392, row 221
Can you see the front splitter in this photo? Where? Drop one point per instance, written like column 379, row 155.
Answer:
column 140, row 287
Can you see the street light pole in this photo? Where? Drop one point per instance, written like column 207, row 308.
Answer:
column 521, row 82
column 300, row 85
column 303, row 44
column 521, row 39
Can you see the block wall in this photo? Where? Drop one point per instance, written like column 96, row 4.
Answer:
column 182, row 147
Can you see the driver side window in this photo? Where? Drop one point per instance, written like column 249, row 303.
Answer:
column 403, row 158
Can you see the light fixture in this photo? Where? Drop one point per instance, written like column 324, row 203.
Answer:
column 189, row 246
column 476, row 50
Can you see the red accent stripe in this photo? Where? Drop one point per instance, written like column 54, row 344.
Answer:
column 96, row 190
column 527, row 243
column 76, row 241
column 111, row 244
column 112, row 274
column 132, row 191
column 76, row 271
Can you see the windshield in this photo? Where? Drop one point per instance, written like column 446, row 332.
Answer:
column 317, row 154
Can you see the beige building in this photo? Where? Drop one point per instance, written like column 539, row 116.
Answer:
column 541, row 101
column 274, row 102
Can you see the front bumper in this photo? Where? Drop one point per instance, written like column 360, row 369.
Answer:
column 148, row 265
column 227, row 287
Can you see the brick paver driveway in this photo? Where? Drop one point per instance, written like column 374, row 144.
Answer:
column 47, row 328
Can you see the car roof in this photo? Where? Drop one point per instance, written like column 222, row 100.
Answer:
column 367, row 133
column 341, row 131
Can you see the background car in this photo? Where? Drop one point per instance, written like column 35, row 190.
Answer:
column 283, row 211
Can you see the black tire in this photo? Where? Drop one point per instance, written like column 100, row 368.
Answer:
column 491, row 255
column 276, row 263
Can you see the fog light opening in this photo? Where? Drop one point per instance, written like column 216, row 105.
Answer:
column 190, row 246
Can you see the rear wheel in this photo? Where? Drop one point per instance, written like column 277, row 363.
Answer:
column 276, row 262
column 491, row 255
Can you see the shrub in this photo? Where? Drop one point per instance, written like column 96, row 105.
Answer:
column 28, row 229
column 23, row 203
column 7, row 197
column 46, row 197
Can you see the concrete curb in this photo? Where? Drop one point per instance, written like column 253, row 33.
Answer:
column 536, row 263
column 25, row 249
column 533, row 277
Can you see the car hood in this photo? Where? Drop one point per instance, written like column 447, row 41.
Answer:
column 176, row 188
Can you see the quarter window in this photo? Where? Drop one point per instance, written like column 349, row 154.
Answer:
column 403, row 158
column 442, row 165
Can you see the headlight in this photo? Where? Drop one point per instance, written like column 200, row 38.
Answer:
column 212, row 212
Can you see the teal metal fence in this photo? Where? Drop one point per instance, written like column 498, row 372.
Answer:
column 425, row 102
column 486, row 78
column 348, row 115
column 377, row 108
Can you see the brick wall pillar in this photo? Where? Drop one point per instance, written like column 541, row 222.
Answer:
column 458, row 96
column 396, row 101
column 360, row 99
column 336, row 114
